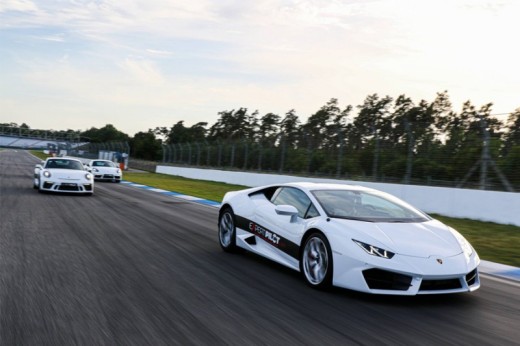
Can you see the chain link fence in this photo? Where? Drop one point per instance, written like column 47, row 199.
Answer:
column 378, row 162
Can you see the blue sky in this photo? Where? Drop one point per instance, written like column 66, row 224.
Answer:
column 139, row 64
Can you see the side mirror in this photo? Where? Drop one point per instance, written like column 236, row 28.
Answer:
column 287, row 210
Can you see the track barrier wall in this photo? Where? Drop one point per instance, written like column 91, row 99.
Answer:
column 494, row 206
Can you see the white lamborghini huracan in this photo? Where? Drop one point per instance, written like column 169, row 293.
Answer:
column 349, row 236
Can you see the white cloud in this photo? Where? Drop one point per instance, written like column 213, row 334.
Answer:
column 17, row 5
column 192, row 58
column 142, row 71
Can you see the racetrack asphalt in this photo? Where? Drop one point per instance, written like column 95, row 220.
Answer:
column 132, row 267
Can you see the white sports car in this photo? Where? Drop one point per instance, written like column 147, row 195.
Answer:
column 105, row 170
column 349, row 236
column 63, row 175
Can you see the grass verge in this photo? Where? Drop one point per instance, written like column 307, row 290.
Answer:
column 493, row 242
column 204, row 189
column 39, row 154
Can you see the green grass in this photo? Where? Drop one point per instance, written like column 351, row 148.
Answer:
column 493, row 242
column 39, row 154
column 204, row 189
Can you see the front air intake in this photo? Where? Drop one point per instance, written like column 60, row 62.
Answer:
column 440, row 285
column 378, row 279
column 471, row 278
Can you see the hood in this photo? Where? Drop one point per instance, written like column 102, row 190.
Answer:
column 423, row 239
column 67, row 174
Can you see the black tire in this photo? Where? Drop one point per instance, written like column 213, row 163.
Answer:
column 39, row 187
column 227, row 230
column 316, row 261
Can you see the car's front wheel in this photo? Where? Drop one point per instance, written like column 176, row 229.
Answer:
column 316, row 261
column 227, row 230
column 39, row 187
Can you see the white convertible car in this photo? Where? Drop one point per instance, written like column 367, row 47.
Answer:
column 63, row 175
column 349, row 236
column 105, row 170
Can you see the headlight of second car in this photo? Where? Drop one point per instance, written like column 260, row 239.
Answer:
column 46, row 174
column 88, row 176
column 374, row 250
column 118, row 171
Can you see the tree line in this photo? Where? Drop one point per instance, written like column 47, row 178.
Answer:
column 382, row 137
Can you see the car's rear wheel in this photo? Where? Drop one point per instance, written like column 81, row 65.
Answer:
column 316, row 261
column 227, row 230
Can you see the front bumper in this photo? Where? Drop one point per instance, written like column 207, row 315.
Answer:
column 68, row 187
column 406, row 275
column 107, row 177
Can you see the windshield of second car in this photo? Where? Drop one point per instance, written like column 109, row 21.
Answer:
column 366, row 206
column 64, row 164
column 103, row 164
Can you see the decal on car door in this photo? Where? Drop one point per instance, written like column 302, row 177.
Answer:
column 269, row 236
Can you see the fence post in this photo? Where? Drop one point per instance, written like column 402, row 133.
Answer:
column 189, row 153
column 246, row 152
column 260, row 153
column 163, row 152
column 340, row 153
column 198, row 153
column 309, row 153
column 181, row 149
column 174, row 151
column 208, row 149
column 409, row 160
column 282, row 153
column 232, row 163
column 376, row 152
column 219, row 158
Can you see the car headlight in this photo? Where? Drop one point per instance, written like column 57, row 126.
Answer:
column 95, row 169
column 464, row 244
column 88, row 176
column 374, row 250
column 118, row 171
column 46, row 174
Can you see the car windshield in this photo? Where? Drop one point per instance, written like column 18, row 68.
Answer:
column 64, row 164
column 103, row 164
column 367, row 206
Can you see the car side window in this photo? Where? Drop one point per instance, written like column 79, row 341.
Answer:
column 296, row 198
